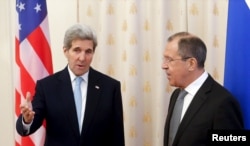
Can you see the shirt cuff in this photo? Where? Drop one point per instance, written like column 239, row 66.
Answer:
column 26, row 127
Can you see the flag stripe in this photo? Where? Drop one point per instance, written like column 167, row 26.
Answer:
column 27, row 141
column 28, row 54
column 44, row 27
column 18, row 101
column 33, row 58
column 41, row 47
column 39, row 139
column 26, row 82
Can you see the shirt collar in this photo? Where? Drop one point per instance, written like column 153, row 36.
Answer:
column 195, row 85
column 73, row 76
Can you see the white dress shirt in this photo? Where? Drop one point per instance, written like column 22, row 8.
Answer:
column 192, row 90
column 84, row 86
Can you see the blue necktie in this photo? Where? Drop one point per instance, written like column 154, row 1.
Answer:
column 78, row 99
column 176, row 117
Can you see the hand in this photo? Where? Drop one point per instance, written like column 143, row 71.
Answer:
column 26, row 109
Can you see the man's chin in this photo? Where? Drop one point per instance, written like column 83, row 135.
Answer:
column 80, row 72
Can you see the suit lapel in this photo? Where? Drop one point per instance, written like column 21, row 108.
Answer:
column 93, row 94
column 194, row 107
column 66, row 92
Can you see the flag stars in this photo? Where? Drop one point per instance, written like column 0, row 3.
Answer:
column 37, row 8
column 21, row 7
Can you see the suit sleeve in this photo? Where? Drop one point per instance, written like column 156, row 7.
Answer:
column 19, row 126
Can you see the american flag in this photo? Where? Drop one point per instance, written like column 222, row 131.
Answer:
column 32, row 57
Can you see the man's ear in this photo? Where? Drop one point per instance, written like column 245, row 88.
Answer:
column 192, row 64
column 65, row 50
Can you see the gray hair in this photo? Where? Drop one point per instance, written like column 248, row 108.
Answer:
column 78, row 31
column 190, row 46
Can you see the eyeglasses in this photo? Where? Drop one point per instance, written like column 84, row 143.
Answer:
column 167, row 60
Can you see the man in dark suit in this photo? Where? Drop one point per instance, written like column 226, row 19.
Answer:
column 206, row 106
column 99, row 120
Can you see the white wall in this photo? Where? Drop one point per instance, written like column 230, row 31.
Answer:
column 6, row 80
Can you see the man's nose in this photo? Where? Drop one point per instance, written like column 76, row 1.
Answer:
column 82, row 55
column 164, row 65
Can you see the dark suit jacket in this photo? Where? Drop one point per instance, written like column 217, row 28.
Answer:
column 54, row 102
column 213, row 107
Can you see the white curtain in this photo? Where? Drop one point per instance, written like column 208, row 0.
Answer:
column 132, row 35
